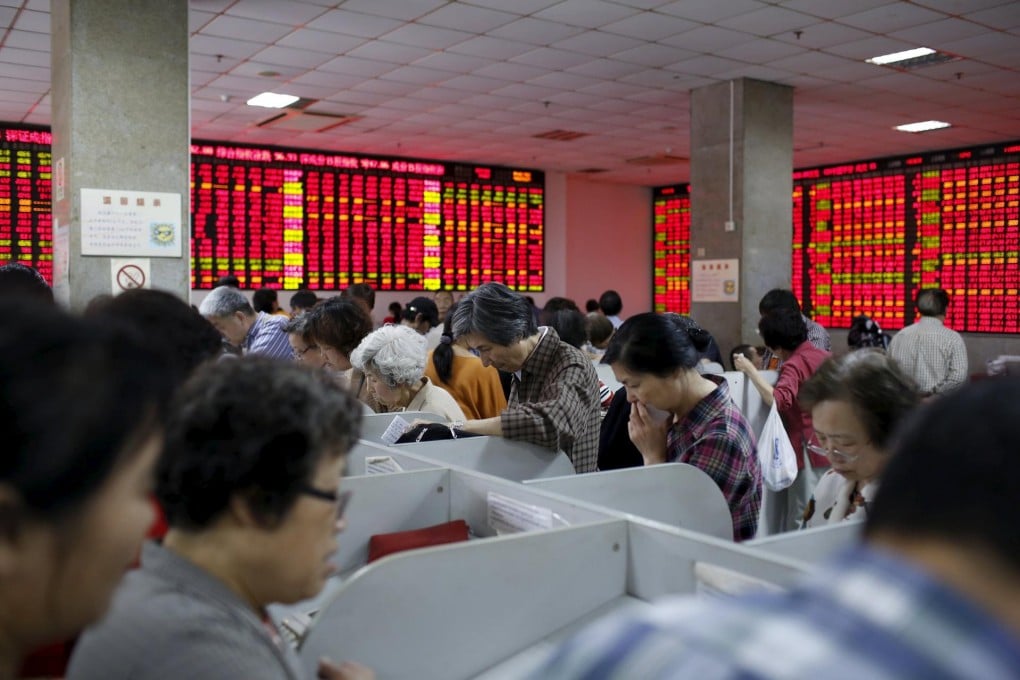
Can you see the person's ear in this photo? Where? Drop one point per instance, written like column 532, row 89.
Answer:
column 241, row 514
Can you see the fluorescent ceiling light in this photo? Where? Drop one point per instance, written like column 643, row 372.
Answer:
column 271, row 100
column 923, row 126
column 901, row 56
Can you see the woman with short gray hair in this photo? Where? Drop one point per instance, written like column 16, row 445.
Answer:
column 393, row 361
column 554, row 400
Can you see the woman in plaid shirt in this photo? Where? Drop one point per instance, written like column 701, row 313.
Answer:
column 654, row 358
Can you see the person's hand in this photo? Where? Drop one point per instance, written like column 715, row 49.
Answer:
column 348, row 670
column 648, row 435
column 743, row 364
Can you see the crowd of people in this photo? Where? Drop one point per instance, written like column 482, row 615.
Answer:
column 243, row 414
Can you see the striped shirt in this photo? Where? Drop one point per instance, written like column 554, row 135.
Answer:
column 932, row 354
column 555, row 402
column 266, row 337
column 715, row 438
column 867, row 615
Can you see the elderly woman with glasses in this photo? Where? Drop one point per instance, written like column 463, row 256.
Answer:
column 249, row 482
column 393, row 361
column 302, row 342
column 856, row 402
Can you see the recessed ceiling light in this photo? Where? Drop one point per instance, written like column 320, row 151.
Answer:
column 923, row 126
column 901, row 56
column 272, row 100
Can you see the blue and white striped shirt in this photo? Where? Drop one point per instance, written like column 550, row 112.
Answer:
column 267, row 338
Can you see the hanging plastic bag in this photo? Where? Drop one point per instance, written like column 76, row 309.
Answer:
column 776, row 455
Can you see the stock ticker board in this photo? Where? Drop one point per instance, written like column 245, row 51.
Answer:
column 867, row 236
column 292, row 218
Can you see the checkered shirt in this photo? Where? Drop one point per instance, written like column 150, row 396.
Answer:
column 934, row 355
column 715, row 438
column 556, row 402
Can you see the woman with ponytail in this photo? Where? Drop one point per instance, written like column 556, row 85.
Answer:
column 475, row 387
column 655, row 358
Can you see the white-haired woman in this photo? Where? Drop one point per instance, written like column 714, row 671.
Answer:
column 393, row 360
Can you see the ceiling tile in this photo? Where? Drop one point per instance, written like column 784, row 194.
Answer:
column 28, row 41
column 522, row 7
column 235, row 49
column 511, row 71
column 197, row 20
column 832, row 9
column 416, row 75
column 25, row 72
column 535, row 31
column 586, row 13
column 598, row 44
column 287, row 13
column 709, row 39
column 650, row 26
column 936, row 33
column 405, row 10
column 871, row 47
column 606, row 69
column 455, row 63
column 245, row 29
column 550, row 58
column 289, row 56
column 384, row 50
column 472, row 83
column 467, row 18
column 36, row 22
column 822, row 36
column 430, row 37
column 564, row 82
column 705, row 65
column 654, row 55
column 891, row 17
column 319, row 41
column 710, row 11
column 356, row 67
column 769, row 21
column 492, row 48
column 12, row 55
column 354, row 23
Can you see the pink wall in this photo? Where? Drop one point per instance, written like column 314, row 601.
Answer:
column 608, row 243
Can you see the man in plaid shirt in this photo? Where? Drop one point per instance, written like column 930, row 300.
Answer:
column 931, row 593
column 554, row 398
column 933, row 355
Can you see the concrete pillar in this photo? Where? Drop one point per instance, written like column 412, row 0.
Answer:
column 121, row 121
column 742, row 165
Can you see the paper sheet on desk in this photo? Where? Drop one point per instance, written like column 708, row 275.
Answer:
column 509, row 515
column 397, row 427
column 381, row 465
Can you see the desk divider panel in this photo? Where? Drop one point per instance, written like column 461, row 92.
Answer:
column 495, row 456
column 606, row 375
column 676, row 494
column 357, row 458
column 811, row 545
column 452, row 611
column 373, row 426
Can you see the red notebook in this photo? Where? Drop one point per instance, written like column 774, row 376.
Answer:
column 381, row 545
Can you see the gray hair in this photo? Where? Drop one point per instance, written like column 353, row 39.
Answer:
column 396, row 353
column 300, row 325
column 224, row 301
column 495, row 312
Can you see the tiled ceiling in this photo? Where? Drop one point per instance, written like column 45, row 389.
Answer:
column 477, row 80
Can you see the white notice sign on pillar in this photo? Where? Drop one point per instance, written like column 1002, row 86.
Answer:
column 130, row 223
column 715, row 281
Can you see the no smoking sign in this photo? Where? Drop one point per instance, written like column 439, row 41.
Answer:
column 130, row 274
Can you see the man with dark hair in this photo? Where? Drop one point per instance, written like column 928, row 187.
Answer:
column 781, row 298
column 19, row 281
column 611, row 305
column 302, row 300
column 554, row 399
column 935, row 356
column 266, row 300
column 931, row 593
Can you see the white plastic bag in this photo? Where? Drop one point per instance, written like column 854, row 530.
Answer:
column 776, row 454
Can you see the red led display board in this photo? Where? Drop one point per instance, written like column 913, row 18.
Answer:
column 289, row 218
column 286, row 218
column 671, row 249
column 26, row 229
column 868, row 236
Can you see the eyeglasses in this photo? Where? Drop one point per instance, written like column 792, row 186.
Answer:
column 833, row 454
column 341, row 498
column 300, row 353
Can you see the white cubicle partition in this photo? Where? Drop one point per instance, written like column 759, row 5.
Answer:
column 606, row 375
column 373, row 426
column 363, row 452
column 497, row 605
column 811, row 545
column 675, row 493
column 747, row 398
column 495, row 456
